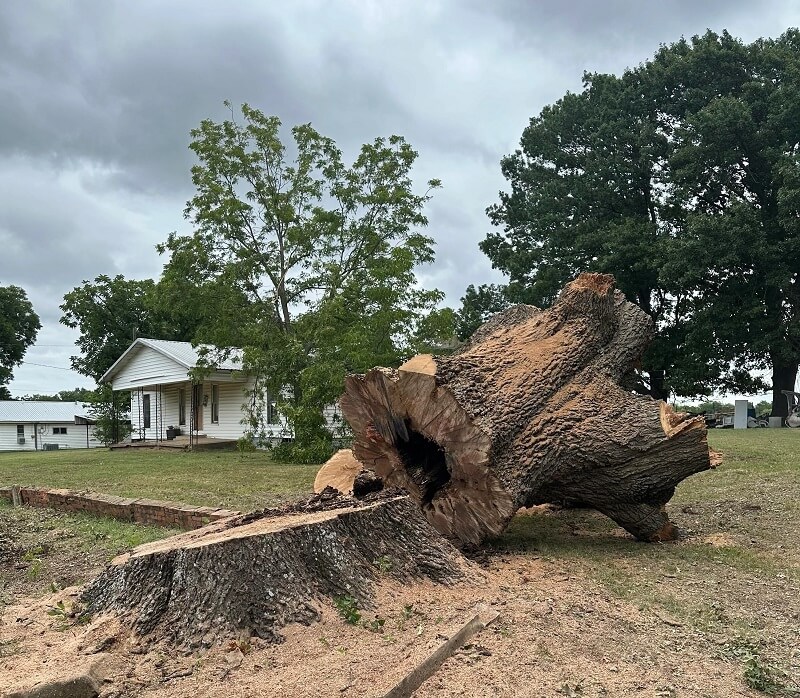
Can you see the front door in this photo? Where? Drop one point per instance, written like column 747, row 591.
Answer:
column 197, row 406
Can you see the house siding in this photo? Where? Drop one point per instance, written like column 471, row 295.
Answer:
column 231, row 399
column 164, row 413
column 74, row 438
column 148, row 367
column 335, row 422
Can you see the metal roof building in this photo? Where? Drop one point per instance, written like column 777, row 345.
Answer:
column 41, row 411
column 35, row 425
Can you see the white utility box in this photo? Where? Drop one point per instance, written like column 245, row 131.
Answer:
column 740, row 415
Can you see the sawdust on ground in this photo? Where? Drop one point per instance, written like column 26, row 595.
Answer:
column 561, row 630
column 557, row 634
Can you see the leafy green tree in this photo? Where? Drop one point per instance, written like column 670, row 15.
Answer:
column 679, row 178
column 110, row 411
column 478, row 305
column 764, row 409
column 587, row 195
column 436, row 333
column 709, row 406
column 111, row 312
column 203, row 304
column 76, row 395
column 735, row 170
column 19, row 325
column 315, row 257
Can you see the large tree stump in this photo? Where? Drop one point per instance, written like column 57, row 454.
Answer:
column 255, row 573
column 531, row 410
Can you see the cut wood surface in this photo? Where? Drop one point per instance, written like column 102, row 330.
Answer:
column 531, row 410
column 338, row 472
column 253, row 574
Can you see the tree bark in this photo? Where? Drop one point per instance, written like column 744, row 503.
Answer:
column 784, row 375
column 530, row 411
column 253, row 574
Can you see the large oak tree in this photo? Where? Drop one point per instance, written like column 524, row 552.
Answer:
column 680, row 178
column 735, row 173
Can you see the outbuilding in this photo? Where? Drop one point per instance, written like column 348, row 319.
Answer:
column 38, row 425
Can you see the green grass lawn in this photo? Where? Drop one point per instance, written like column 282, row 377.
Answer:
column 756, row 461
column 242, row 481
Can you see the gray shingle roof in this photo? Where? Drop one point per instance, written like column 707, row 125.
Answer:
column 22, row 411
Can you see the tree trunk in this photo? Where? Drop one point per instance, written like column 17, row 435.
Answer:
column 530, row 411
column 658, row 390
column 252, row 574
column 784, row 375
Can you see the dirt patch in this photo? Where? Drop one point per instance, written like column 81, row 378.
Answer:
column 558, row 634
column 720, row 540
column 37, row 550
column 584, row 611
column 574, row 645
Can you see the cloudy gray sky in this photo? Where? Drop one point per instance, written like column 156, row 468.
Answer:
column 97, row 98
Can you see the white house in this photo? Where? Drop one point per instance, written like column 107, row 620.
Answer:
column 33, row 425
column 163, row 395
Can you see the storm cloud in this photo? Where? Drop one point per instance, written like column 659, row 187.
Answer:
column 97, row 99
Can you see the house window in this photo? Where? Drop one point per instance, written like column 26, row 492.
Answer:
column 273, row 416
column 181, row 406
column 146, row 411
column 59, row 430
column 20, row 430
column 215, row 404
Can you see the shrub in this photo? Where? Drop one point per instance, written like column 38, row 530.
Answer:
column 290, row 452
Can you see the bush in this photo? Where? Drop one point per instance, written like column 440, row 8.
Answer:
column 245, row 444
column 110, row 412
column 314, row 453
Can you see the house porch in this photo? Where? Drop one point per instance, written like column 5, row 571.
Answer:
column 180, row 443
column 197, row 410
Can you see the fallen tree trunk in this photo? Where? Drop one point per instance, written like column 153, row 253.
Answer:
column 531, row 410
column 253, row 574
